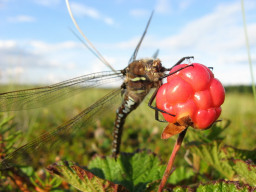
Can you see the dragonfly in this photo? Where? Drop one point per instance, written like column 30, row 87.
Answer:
column 138, row 78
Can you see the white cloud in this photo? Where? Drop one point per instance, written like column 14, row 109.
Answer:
column 7, row 44
column 108, row 20
column 47, row 3
column 14, row 71
column 218, row 27
column 163, row 6
column 32, row 61
column 3, row 3
column 216, row 39
column 21, row 19
column 52, row 78
column 131, row 43
column 185, row 4
column 17, row 60
column 46, row 48
column 220, row 30
column 139, row 12
column 11, row 73
column 83, row 10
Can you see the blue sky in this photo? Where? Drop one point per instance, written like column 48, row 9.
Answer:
column 37, row 46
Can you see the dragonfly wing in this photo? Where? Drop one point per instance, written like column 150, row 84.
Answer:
column 49, row 141
column 155, row 55
column 87, row 43
column 134, row 55
column 41, row 96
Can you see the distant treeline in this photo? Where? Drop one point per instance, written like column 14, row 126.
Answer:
column 238, row 89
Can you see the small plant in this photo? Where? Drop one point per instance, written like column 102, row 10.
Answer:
column 222, row 168
column 20, row 178
column 211, row 165
column 208, row 165
column 191, row 97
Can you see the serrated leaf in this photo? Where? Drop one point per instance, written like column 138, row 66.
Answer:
column 209, row 135
column 234, row 153
column 212, row 154
column 4, row 122
column 243, row 163
column 134, row 171
column 82, row 179
column 246, row 171
column 153, row 186
column 216, row 186
column 180, row 174
column 180, row 189
column 217, row 129
column 224, row 186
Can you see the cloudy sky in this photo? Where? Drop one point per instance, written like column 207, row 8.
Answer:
column 37, row 45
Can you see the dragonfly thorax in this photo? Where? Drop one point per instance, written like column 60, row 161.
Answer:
column 145, row 70
column 141, row 76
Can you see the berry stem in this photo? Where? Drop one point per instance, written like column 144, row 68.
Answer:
column 171, row 160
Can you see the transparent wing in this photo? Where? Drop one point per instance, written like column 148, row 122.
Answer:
column 134, row 55
column 41, row 96
column 48, row 141
column 87, row 43
column 155, row 54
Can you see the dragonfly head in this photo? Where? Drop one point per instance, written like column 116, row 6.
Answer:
column 153, row 65
column 154, row 69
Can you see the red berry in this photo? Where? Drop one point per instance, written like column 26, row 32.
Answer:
column 203, row 99
column 191, row 92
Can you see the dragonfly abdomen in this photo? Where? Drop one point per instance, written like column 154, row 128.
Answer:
column 141, row 76
column 128, row 105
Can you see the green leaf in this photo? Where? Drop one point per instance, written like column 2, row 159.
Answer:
column 212, row 154
column 234, row 153
column 180, row 189
column 153, row 186
column 4, row 125
column 216, row 186
column 217, row 129
column 224, row 186
column 81, row 178
column 243, row 163
column 180, row 174
column 209, row 135
column 229, row 161
column 134, row 171
column 246, row 171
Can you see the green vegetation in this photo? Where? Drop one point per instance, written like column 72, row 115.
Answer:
column 208, row 154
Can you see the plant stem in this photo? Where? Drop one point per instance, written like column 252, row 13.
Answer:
column 248, row 50
column 171, row 160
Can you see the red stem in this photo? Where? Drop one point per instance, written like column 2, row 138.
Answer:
column 171, row 160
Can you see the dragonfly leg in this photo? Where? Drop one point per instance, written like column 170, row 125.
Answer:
column 180, row 61
column 183, row 59
column 157, row 110
column 123, row 88
column 176, row 71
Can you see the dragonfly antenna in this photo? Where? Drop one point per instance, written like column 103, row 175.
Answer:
column 87, row 42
